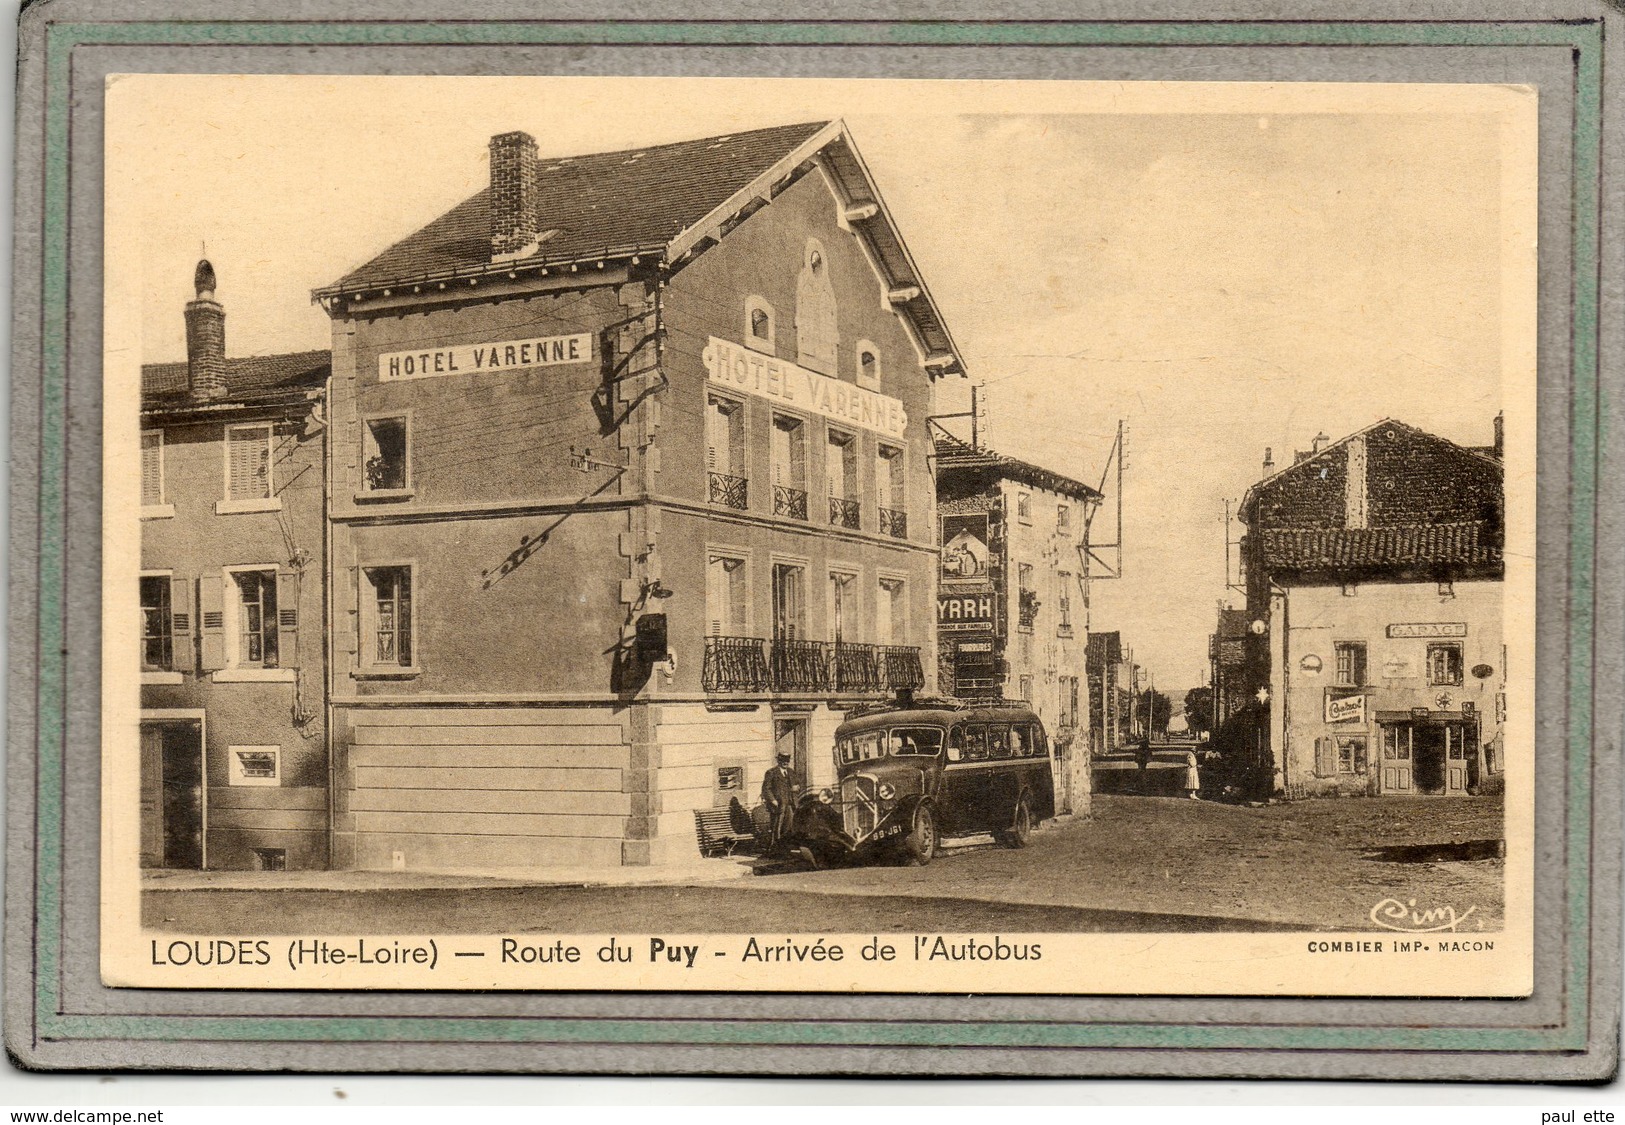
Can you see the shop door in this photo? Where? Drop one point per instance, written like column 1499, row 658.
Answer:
column 1396, row 759
column 1428, row 757
column 172, row 795
column 1455, row 766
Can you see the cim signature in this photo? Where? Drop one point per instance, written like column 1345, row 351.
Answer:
column 1391, row 914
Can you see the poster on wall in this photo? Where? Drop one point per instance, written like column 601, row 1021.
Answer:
column 965, row 551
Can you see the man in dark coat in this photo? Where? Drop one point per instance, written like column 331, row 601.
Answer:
column 779, row 797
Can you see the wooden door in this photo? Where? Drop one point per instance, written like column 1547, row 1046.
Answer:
column 1396, row 759
column 152, row 785
column 1455, row 766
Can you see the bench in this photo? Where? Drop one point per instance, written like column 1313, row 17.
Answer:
column 716, row 833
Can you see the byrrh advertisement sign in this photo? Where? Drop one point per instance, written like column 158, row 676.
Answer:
column 738, row 368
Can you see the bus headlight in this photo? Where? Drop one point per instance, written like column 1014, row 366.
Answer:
column 825, row 796
column 886, row 792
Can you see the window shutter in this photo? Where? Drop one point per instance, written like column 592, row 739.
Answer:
column 152, row 478
column 1325, row 757
column 798, row 458
column 211, row 596
column 351, row 595
column 287, row 618
column 249, row 452
column 714, row 438
column 716, row 595
column 180, row 624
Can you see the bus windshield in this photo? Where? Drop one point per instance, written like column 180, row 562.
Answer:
column 879, row 743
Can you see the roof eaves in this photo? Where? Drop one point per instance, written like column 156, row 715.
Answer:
column 540, row 264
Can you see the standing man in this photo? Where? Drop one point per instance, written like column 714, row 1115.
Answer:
column 779, row 796
column 1142, row 757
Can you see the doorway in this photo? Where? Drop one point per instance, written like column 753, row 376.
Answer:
column 1428, row 757
column 790, row 737
column 172, row 793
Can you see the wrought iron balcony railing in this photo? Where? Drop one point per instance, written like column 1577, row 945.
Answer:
column 798, row 665
column 790, row 502
column 752, row 664
column 894, row 523
column 734, row 664
column 730, row 492
column 854, row 667
column 900, row 667
column 843, row 513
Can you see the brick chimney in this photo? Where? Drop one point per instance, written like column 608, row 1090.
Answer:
column 205, row 339
column 513, row 195
column 1500, row 436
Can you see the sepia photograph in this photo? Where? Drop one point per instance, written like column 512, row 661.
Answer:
column 833, row 535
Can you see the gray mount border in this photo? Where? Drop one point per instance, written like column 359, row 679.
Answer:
column 57, row 1014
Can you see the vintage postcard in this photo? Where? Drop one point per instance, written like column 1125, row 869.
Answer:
column 1026, row 537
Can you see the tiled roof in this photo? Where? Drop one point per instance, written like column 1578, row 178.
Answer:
column 952, row 453
column 248, row 378
column 638, row 198
column 1468, row 542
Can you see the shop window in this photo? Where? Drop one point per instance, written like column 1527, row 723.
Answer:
column 1444, row 665
column 384, row 454
column 248, row 463
column 760, row 326
column 254, row 765
column 157, row 624
column 387, row 613
column 1350, row 663
column 868, row 365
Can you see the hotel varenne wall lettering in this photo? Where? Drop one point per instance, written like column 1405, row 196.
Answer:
column 494, row 355
column 740, row 369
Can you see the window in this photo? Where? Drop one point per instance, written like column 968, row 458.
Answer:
column 1026, row 596
column 157, row 624
column 387, row 617
column 868, row 365
column 248, row 463
column 1351, row 755
column 383, row 454
column 254, row 765
column 1025, row 689
column 789, row 602
column 1024, row 507
column 1063, row 519
column 152, row 468
column 817, row 337
column 891, row 612
column 1063, row 603
column 760, row 329
column 789, row 467
column 1350, row 663
column 725, row 595
column 841, row 467
column 891, row 492
column 725, row 452
column 730, row 784
column 256, row 618
column 1444, row 665
column 843, row 606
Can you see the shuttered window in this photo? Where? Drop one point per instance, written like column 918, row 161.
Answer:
column 257, row 627
column 152, row 467
column 891, row 613
column 725, row 596
column 388, row 617
column 1325, row 757
column 157, row 624
column 789, row 453
column 248, row 462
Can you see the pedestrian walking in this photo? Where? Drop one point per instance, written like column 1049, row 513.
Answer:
column 1193, row 777
column 1142, row 758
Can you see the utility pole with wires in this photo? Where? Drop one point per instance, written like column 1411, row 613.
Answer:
column 1107, row 555
column 1237, row 586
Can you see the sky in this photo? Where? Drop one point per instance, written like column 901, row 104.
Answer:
column 1222, row 267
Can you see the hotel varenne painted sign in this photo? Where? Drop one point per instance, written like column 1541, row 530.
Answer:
column 740, row 369
column 494, row 355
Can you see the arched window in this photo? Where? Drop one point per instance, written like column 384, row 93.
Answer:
column 868, row 365
column 760, row 329
column 817, row 339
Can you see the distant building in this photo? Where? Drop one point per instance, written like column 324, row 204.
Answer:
column 1374, row 565
column 1010, row 614
column 1227, row 659
column 234, row 768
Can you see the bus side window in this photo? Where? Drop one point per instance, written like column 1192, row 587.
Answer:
column 956, row 744
column 1039, row 742
column 976, row 743
column 1020, row 745
column 998, row 741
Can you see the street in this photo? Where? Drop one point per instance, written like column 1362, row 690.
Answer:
column 1138, row 864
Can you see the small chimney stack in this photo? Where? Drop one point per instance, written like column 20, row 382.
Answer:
column 1319, row 443
column 1269, row 461
column 1500, row 436
column 513, row 195
column 205, row 339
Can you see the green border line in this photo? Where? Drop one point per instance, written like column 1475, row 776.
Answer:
column 1585, row 40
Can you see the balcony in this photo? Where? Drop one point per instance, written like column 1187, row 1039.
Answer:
column 734, row 664
column 894, row 523
column 790, row 502
column 729, row 492
column 753, row 664
column 843, row 513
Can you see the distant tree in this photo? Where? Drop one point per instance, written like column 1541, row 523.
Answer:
column 1199, row 709
column 1157, row 708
